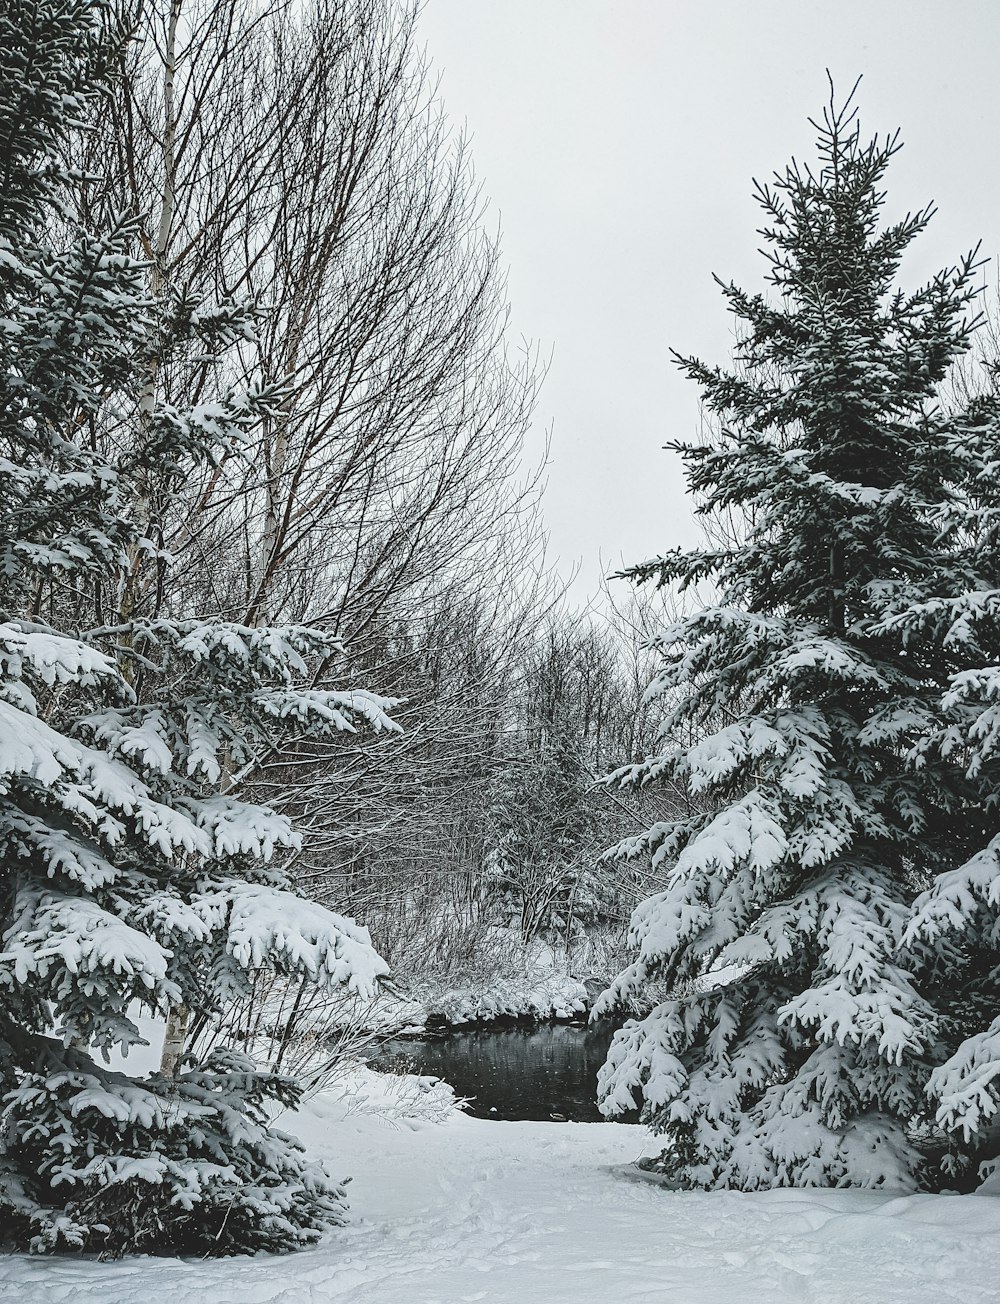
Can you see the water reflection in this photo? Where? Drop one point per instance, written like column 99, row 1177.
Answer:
column 539, row 1072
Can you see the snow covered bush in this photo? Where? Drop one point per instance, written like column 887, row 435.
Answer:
column 790, row 1039
column 186, row 1165
column 131, row 869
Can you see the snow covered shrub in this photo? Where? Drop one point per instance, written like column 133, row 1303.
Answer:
column 790, row 1039
column 132, row 872
column 189, row 1164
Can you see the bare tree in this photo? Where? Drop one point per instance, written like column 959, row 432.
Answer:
column 298, row 159
column 292, row 161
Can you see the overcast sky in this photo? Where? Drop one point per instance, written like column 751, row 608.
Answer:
column 617, row 139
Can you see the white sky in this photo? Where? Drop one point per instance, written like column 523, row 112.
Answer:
column 617, row 140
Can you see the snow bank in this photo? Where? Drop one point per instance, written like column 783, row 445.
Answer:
column 539, row 992
column 549, row 996
column 402, row 1009
column 393, row 1099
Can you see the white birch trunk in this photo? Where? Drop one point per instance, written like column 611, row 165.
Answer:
column 174, row 1039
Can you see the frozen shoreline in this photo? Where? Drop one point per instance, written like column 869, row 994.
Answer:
column 551, row 997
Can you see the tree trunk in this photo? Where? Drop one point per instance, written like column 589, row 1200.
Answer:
column 174, row 1039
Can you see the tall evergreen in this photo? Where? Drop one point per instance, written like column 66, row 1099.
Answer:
column 790, row 1039
column 130, row 872
column 953, row 935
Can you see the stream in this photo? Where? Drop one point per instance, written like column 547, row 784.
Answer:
column 540, row 1072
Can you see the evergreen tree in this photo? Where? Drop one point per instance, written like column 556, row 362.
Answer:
column 540, row 830
column 129, row 871
column 953, row 935
column 789, row 1040
column 547, row 821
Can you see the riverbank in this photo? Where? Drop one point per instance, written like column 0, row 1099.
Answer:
column 519, row 1213
column 534, row 997
column 534, row 983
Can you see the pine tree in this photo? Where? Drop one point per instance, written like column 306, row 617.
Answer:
column 789, row 1039
column 953, row 935
column 545, row 822
column 130, row 871
column 539, row 829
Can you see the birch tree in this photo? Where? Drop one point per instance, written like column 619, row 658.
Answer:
column 296, row 163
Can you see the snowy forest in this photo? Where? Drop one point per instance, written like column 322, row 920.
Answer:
column 307, row 746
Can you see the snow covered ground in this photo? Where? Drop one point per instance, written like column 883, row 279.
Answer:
column 470, row 1210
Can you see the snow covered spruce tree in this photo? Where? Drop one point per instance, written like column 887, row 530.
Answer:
column 953, row 936
column 128, row 874
column 789, row 1040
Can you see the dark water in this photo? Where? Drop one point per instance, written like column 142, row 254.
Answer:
column 538, row 1072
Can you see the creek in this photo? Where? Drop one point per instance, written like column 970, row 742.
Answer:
column 539, row 1071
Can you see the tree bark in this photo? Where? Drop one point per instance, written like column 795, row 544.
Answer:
column 174, row 1039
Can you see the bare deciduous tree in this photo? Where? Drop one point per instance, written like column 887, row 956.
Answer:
column 295, row 158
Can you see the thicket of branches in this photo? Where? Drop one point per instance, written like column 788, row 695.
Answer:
column 296, row 159
column 509, row 852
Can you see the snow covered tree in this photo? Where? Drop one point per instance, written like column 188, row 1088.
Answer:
column 953, row 936
column 789, row 1039
column 571, row 715
column 540, row 830
column 129, row 874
